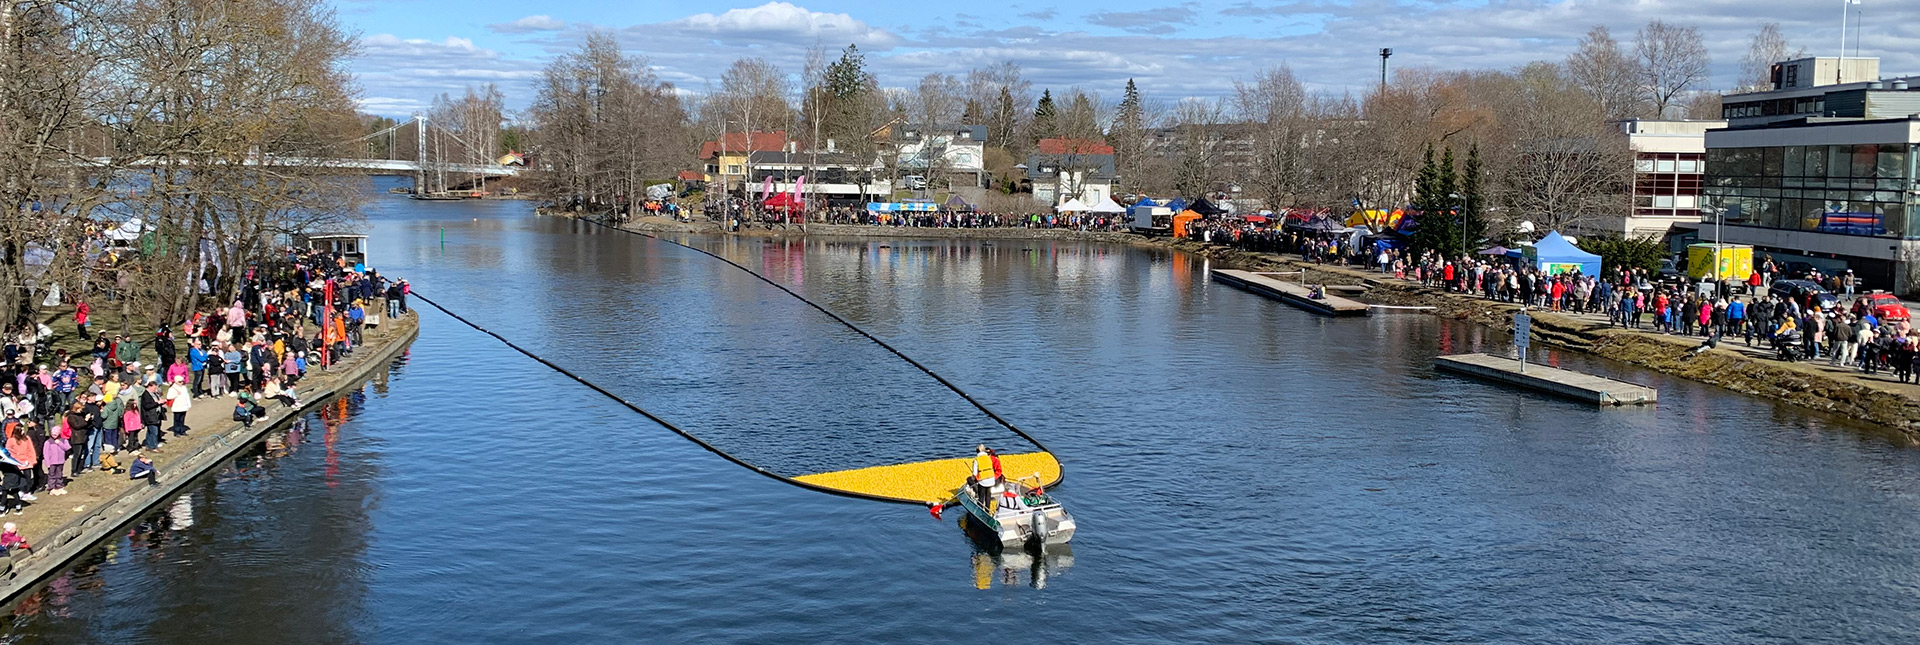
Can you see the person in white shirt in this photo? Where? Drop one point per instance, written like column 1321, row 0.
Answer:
column 179, row 400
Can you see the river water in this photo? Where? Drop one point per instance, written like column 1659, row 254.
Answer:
column 1241, row 471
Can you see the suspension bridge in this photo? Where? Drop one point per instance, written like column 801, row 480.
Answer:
column 429, row 171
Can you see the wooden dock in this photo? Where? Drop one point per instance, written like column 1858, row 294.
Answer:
column 1552, row 380
column 1291, row 293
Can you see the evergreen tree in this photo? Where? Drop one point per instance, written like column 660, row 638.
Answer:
column 972, row 114
column 1437, row 224
column 1129, row 116
column 1470, row 177
column 1128, row 136
column 1045, row 125
column 1003, row 120
column 847, row 77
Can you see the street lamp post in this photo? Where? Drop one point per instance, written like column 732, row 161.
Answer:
column 1719, row 252
column 1461, row 203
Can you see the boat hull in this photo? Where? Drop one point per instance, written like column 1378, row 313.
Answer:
column 1018, row 527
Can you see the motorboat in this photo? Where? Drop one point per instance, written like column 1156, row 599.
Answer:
column 1015, row 513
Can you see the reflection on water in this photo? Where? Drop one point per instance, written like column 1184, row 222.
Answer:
column 231, row 502
column 1017, row 567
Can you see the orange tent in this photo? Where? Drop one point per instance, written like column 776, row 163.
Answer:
column 1180, row 222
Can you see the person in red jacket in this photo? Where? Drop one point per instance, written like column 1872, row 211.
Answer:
column 80, row 311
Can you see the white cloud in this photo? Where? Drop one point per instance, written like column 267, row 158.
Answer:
column 1331, row 44
column 401, row 75
column 528, row 25
column 778, row 22
column 1146, row 21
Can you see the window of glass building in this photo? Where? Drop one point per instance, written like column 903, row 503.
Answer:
column 1840, row 189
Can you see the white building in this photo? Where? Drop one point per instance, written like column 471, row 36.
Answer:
column 1066, row 168
column 953, row 151
column 832, row 178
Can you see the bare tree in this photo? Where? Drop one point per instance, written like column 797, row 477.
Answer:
column 47, row 96
column 1196, row 141
column 1564, row 166
column 605, row 126
column 936, row 105
column 1769, row 46
column 1607, row 75
column 1704, row 106
column 222, row 143
column 1082, row 154
column 1273, row 107
column 1673, row 61
column 755, row 93
column 1005, row 94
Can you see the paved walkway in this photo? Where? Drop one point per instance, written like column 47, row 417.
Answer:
column 1761, row 350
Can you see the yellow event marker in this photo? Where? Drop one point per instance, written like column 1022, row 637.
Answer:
column 932, row 481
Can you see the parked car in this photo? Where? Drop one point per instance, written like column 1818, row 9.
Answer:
column 1805, row 292
column 1671, row 274
column 1797, row 270
column 1886, row 306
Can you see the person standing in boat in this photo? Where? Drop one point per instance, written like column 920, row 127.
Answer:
column 986, row 470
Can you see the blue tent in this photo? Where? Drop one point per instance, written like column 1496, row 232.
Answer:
column 1178, row 204
column 1555, row 255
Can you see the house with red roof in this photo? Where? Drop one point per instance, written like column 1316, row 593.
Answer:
column 725, row 158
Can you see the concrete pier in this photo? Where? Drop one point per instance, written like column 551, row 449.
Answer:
column 1291, row 293
column 1552, row 380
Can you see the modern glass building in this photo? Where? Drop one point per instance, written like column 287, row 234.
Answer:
column 1837, row 193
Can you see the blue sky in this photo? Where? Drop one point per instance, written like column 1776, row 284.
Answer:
column 412, row 50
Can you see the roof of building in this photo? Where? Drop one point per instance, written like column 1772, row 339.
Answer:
column 1038, row 166
column 740, row 141
column 974, row 132
column 803, row 158
column 690, row 175
column 1065, row 146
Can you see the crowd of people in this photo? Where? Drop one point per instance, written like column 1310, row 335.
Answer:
column 65, row 415
column 736, row 213
column 1844, row 333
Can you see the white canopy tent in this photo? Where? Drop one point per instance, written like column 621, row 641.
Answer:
column 1109, row 206
column 128, row 231
column 1071, row 206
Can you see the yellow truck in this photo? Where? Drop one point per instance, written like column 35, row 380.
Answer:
column 1727, row 262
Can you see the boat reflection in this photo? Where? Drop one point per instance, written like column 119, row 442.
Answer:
column 1032, row 566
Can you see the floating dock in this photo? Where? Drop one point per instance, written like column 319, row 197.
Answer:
column 1291, row 293
column 1552, row 380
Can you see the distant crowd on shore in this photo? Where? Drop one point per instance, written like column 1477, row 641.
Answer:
column 1797, row 325
column 66, row 414
column 735, row 214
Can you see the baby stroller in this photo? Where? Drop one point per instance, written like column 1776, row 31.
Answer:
column 1787, row 345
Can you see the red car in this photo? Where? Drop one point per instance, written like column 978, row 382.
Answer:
column 1886, row 307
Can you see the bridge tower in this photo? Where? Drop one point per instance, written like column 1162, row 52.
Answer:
column 420, row 155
